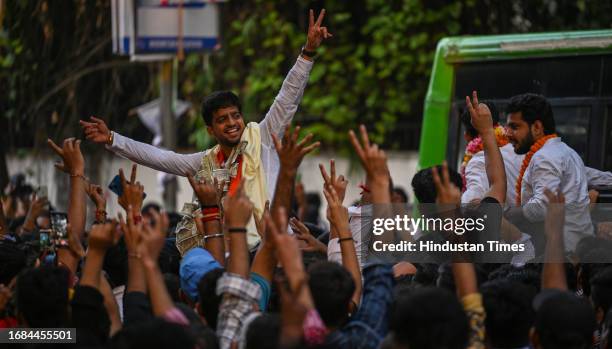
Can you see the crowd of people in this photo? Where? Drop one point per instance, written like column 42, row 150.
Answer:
column 250, row 266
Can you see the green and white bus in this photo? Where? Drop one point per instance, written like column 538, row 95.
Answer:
column 572, row 69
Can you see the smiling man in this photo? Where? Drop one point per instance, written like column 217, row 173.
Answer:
column 549, row 163
column 243, row 150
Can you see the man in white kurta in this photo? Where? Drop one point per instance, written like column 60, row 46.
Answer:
column 554, row 166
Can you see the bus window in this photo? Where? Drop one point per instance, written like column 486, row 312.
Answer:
column 572, row 124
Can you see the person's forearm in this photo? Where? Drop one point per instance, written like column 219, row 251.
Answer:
column 92, row 268
column 264, row 262
column 161, row 302
column 215, row 245
column 350, row 262
column 239, row 254
column 77, row 210
column 112, row 309
column 286, row 102
column 496, row 172
column 136, row 281
column 553, row 272
column 67, row 259
column 379, row 186
column 283, row 194
column 156, row 158
column 465, row 279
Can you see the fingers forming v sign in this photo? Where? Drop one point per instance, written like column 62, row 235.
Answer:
column 373, row 159
column 338, row 183
column 316, row 32
column 480, row 114
column 133, row 192
column 447, row 192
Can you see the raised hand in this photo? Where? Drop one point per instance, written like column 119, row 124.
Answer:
column 133, row 192
column 337, row 214
column 338, row 183
column 207, row 193
column 260, row 223
column 96, row 130
column 73, row 162
column 316, row 33
column 480, row 113
column 132, row 231
column 238, row 208
column 290, row 151
column 555, row 214
column 373, row 159
column 302, row 233
column 152, row 240
column 96, row 194
column 104, row 236
column 447, row 192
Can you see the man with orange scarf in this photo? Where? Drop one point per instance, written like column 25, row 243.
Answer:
column 549, row 163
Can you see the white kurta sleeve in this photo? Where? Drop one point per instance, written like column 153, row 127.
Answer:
column 155, row 158
column 476, row 182
column 544, row 175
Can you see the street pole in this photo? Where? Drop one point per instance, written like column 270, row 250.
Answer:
column 168, row 127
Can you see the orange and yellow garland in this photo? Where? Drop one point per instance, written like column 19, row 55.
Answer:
column 475, row 146
column 534, row 149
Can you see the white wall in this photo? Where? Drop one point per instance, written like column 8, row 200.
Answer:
column 41, row 171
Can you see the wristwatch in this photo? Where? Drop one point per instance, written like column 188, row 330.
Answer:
column 311, row 54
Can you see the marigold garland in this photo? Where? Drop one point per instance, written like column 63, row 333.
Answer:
column 534, row 149
column 475, row 146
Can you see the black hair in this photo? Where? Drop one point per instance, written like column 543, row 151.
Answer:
column 565, row 321
column 12, row 260
column 204, row 336
column 208, row 298
column 264, row 332
column 313, row 202
column 116, row 264
column 509, row 312
column 332, row 288
column 401, row 192
column 218, row 100
column 601, row 289
column 169, row 258
column 446, row 279
column 154, row 333
column 426, row 274
column 533, row 107
column 173, row 284
column 466, row 119
column 423, row 185
column 152, row 205
column 42, row 296
column 429, row 318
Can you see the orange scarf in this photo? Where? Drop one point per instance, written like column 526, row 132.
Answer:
column 534, row 149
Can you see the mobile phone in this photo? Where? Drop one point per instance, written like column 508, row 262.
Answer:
column 59, row 231
column 116, row 187
column 45, row 241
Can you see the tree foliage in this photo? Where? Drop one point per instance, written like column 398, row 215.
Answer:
column 56, row 64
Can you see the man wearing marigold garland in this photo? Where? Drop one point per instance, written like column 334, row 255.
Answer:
column 473, row 169
column 549, row 163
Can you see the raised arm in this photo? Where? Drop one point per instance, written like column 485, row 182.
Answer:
column 483, row 123
column 286, row 102
column 553, row 273
column 141, row 153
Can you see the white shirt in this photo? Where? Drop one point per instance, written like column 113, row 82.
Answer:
column 477, row 183
column 276, row 120
column 557, row 166
column 360, row 217
column 599, row 179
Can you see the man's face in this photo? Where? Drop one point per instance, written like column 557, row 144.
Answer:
column 227, row 126
column 519, row 133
